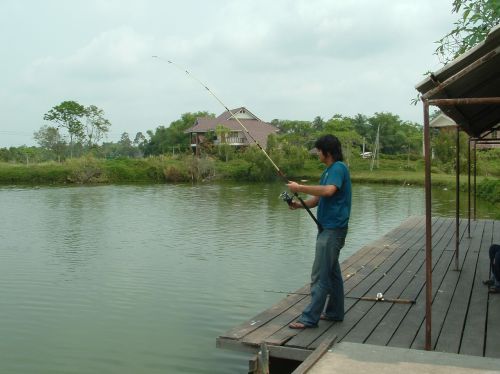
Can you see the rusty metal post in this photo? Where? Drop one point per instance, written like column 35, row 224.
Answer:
column 457, row 198
column 468, row 188
column 428, row 230
column 475, row 174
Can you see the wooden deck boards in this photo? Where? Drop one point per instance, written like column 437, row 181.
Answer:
column 465, row 317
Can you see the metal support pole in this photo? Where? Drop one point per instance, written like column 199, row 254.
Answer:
column 428, row 230
column 468, row 187
column 457, row 198
column 475, row 174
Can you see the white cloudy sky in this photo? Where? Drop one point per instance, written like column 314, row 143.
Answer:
column 294, row 59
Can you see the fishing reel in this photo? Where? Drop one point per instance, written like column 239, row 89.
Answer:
column 286, row 198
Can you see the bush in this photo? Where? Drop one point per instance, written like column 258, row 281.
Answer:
column 489, row 189
column 85, row 170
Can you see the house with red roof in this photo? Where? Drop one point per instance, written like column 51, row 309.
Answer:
column 228, row 130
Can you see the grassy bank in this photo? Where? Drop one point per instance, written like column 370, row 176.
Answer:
column 89, row 170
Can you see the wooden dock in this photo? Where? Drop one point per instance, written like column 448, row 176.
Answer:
column 465, row 317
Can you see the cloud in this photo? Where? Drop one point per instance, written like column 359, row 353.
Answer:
column 282, row 59
column 110, row 55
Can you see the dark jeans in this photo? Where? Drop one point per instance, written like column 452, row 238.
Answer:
column 326, row 278
column 495, row 264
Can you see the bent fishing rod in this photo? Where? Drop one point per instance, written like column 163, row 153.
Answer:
column 287, row 198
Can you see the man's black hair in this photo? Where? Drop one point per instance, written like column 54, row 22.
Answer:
column 330, row 144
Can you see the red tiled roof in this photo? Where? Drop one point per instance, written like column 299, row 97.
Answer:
column 258, row 129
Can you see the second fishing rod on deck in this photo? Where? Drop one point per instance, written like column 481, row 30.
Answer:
column 285, row 196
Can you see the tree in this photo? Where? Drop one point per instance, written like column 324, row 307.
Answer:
column 140, row 142
column 49, row 138
column 96, row 126
column 68, row 115
column 318, row 123
column 222, row 133
column 478, row 17
column 164, row 138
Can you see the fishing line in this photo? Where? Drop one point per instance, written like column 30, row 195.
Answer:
column 278, row 170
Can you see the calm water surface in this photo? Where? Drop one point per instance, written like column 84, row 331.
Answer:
column 142, row 279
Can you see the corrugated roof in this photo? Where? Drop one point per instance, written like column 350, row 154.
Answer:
column 475, row 74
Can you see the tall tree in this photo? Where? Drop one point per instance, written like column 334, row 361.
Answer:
column 68, row 115
column 164, row 138
column 49, row 138
column 477, row 18
column 96, row 126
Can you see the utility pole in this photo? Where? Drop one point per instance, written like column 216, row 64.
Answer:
column 376, row 150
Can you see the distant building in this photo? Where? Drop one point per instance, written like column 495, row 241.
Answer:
column 227, row 130
column 445, row 123
column 442, row 121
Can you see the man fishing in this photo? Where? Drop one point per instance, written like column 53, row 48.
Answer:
column 333, row 199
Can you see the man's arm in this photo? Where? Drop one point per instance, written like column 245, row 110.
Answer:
column 316, row 191
column 310, row 203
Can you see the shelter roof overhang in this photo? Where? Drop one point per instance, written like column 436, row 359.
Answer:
column 472, row 77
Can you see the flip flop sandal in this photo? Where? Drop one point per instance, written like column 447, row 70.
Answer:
column 488, row 282
column 299, row 326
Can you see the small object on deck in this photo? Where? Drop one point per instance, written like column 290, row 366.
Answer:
column 380, row 297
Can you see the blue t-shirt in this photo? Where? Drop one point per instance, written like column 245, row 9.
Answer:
column 334, row 211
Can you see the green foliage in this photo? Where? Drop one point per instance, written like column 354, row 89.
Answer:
column 444, row 145
column 477, row 18
column 165, row 139
column 199, row 169
column 85, row 170
column 260, row 167
column 488, row 163
column 489, row 189
column 84, row 125
column 96, row 126
column 68, row 115
column 237, row 169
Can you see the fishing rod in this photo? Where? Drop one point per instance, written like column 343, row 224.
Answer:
column 379, row 297
column 285, row 196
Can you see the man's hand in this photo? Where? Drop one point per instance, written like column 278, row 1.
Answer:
column 294, row 205
column 293, row 187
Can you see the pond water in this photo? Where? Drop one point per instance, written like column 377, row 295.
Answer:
column 142, row 279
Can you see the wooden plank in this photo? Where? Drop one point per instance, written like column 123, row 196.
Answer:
column 492, row 348
column 280, row 336
column 442, row 298
column 370, row 320
column 391, row 321
column 262, row 318
column 352, row 318
column 375, row 262
column 410, row 325
column 451, row 333
column 276, row 324
column 308, row 363
column 475, row 324
column 276, row 331
column 407, row 225
column 377, row 248
column 268, row 315
column 404, row 250
column 311, row 338
column 288, row 353
column 308, row 334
